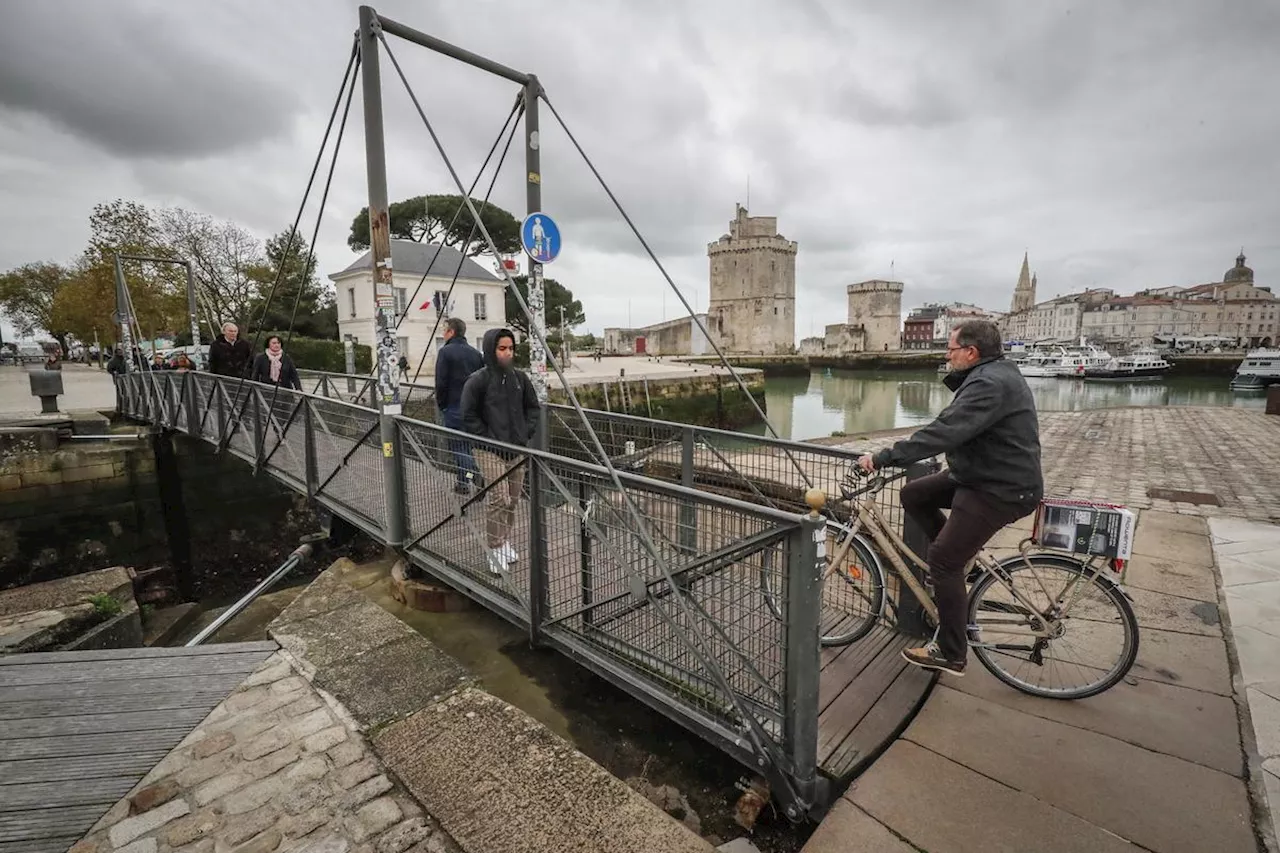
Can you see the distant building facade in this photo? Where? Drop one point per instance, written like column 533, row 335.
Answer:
column 1233, row 312
column 479, row 298
column 672, row 337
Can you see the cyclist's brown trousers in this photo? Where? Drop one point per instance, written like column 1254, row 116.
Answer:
column 953, row 541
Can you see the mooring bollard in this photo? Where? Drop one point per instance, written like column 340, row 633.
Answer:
column 47, row 385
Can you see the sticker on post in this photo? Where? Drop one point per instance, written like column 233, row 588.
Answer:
column 540, row 236
column 388, row 449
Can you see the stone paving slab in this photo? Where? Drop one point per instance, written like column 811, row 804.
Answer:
column 1249, row 556
column 503, row 783
column 1187, row 660
column 1172, row 577
column 943, row 807
column 845, row 822
column 1158, row 801
column 1189, row 724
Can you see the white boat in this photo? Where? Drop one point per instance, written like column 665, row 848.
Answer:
column 1043, row 363
column 1140, row 364
column 1260, row 368
column 1063, row 362
column 1079, row 359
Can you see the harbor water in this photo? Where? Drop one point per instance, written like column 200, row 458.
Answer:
column 858, row 402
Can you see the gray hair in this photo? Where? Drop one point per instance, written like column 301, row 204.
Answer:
column 982, row 334
column 457, row 326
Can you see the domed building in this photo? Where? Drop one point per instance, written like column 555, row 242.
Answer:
column 1239, row 274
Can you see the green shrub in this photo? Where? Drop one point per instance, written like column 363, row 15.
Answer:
column 104, row 605
column 318, row 354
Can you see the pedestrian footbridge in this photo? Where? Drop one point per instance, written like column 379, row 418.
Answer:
column 705, row 604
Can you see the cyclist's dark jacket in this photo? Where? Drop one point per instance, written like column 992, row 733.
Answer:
column 990, row 434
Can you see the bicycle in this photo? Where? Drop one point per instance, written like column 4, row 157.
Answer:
column 1015, row 621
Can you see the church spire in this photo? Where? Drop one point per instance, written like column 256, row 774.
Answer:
column 1024, row 294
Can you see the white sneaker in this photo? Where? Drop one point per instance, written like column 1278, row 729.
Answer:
column 497, row 563
column 508, row 552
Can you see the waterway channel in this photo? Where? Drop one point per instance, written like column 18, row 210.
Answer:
column 858, row 402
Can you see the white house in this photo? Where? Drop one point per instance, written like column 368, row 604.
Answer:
column 478, row 298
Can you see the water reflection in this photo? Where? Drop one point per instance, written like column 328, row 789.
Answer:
column 856, row 402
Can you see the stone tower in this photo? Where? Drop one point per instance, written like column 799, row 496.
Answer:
column 753, row 287
column 1024, row 294
column 876, row 306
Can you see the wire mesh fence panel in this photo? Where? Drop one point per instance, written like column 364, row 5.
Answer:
column 608, row 590
column 453, row 513
column 629, row 442
column 284, row 438
column 208, row 395
column 349, row 458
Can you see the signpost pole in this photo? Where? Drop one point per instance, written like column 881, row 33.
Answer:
column 122, row 314
column 386, row 348
column 537, row 303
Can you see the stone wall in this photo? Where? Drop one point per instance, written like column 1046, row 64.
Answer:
column 79, row 507
column 702, row 400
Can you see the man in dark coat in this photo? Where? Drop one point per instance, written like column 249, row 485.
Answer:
column 456, row 361
column 499, row 403
column 229, row 354
column 991, row 436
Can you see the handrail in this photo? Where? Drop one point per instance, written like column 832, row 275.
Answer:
column 298, row 556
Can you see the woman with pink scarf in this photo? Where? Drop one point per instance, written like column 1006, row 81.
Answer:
column 273, row 367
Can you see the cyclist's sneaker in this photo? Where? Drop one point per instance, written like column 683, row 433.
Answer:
column 929, row 657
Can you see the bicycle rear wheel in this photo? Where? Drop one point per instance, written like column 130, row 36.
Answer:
column 1093, row 647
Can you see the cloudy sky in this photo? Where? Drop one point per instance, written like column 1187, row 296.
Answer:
column 1124, row 145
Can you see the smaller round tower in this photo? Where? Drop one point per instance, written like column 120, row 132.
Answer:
column 876, row 306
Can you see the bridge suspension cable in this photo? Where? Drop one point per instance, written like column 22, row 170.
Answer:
column 754, row 731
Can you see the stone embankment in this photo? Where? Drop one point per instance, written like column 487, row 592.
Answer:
column 360, row 735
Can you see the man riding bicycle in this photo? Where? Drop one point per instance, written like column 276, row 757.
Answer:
column 991, row 438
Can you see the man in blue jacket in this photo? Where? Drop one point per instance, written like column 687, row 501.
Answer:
column 499, row 403
column 456, row 361
column 991, row 436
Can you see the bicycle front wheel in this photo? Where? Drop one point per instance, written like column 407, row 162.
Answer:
column 1066, row 634
column 852, row 589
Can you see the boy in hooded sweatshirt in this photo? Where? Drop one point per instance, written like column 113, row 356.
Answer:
column 498, row 403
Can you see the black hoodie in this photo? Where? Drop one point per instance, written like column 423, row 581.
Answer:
column 499, row 403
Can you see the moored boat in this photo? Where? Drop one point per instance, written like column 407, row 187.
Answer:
column 1260, row 368
column 1142, row 364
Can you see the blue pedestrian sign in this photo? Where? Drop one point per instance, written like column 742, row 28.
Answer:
column 540, row 237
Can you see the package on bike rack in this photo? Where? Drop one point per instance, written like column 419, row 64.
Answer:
column 1086, row 527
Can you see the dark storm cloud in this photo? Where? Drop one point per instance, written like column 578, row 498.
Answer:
column 134, row 82
column 1123, row 145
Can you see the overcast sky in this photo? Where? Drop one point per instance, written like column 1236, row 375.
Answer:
column 1123, row 145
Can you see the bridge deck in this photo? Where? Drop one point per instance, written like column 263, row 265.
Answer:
column 867, row 695
column 78, row 730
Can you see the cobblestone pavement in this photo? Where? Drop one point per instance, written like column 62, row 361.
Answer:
column 85, row 387
column 1120, row 454
column 273, row 768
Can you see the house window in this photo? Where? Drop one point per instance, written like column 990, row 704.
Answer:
column 403, row 345
column 482, row 306
column 402, row 299
column 351, row 301
column 441, row 302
